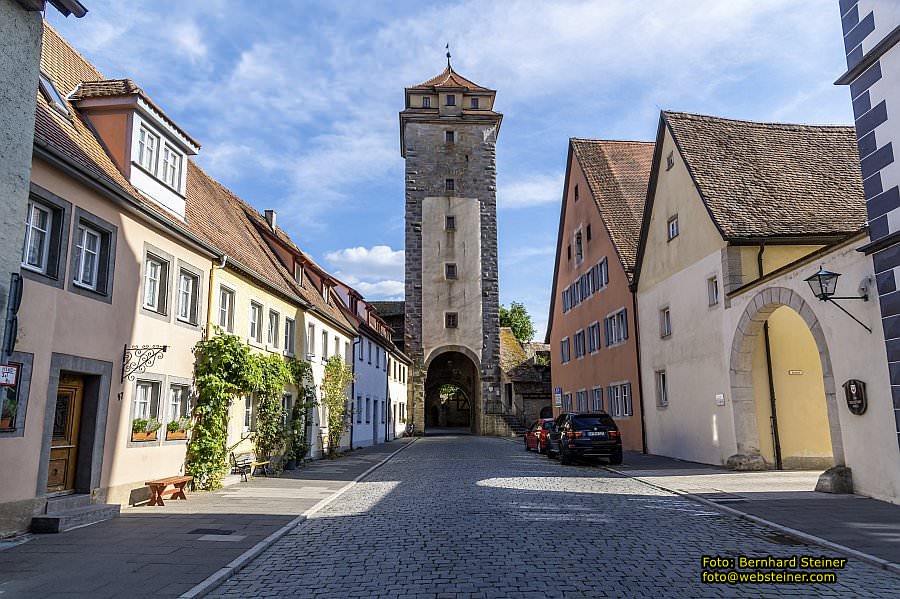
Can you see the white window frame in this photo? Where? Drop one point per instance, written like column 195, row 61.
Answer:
column 82, row 231
column 672, row 229
column 665, row 322
column 272, row 333
column 148, row 149
column 30, row 228
column 170, row 167
column 254, row 325
column 578, row 242
column 192, row 305
column 181, row 408
column 290, row 335
column 324, row 345
column 226, row 308
column 712, row 290
column 662, row 388
column 152, row 286
column 311, row 339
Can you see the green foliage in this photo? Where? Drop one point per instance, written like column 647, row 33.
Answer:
column 271, row 375
column 519, row 320
column 541, row 359
column 338, row 377
column 152, row 426
column 298, row 431
column 138, row 425
column 223, row 368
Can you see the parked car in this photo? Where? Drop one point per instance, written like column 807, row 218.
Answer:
column 536, row 436
column 584, row 435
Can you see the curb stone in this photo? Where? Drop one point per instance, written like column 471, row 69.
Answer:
column 884, row 564
column 215, row 579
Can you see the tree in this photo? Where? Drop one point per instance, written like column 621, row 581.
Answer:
column 337, row 378
column 519, row 320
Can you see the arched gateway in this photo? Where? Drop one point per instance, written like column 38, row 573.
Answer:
column 448, row 134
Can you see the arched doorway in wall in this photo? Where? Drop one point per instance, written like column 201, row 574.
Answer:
column 782, row 387
column 452, row 391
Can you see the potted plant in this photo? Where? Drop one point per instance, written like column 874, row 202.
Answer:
column 7, row 413
column 177, row 429
column 144, row 429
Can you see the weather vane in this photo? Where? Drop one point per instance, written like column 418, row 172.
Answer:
column 448, row 55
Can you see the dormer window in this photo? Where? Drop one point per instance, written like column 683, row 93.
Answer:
column 426, row 102
column 451, row 100
column 474, row 104
column 171, row 167
column 52, row 95
column 148, row 144
column 325, row 291
column 298, row 272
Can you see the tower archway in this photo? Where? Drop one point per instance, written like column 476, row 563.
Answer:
column 452, row 391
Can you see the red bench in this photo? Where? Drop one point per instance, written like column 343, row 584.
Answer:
column 160, row 488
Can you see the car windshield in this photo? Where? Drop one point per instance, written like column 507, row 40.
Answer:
column 591, row 420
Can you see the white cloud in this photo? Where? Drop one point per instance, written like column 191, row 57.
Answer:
column 382, row 290
column 532, row 191
column 376, row 272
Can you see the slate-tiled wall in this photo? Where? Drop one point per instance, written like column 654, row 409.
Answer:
column 872, row 111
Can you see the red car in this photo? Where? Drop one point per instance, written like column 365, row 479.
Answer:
column 536, row 436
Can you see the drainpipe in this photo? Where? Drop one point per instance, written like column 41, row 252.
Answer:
column 387, row 396
column 640, row 381
column 357, row 339
column 209, row 295
column 773, row 418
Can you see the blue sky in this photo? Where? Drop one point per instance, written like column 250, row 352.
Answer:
column 296, row 103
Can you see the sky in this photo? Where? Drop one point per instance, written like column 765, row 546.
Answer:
column 296, row 103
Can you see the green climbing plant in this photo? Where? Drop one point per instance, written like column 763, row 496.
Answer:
column 223, row 369
column 337, row 378
column 298, row 442
column 271, row 375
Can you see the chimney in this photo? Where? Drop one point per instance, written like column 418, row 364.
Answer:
column 270, row 218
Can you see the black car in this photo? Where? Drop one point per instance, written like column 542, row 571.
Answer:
column 584, row 435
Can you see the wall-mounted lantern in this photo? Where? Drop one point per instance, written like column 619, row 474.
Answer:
column 824, row 285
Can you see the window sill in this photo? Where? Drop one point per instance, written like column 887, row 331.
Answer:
column 255, row 343
column 668, row 336
column 87, row 287
column 185, row 321
column 616, row 344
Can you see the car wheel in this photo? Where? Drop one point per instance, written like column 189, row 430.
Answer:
column 615, row 458
column 564, row 457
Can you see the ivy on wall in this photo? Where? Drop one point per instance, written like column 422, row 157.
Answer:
column 337, row 378
column 225, row 368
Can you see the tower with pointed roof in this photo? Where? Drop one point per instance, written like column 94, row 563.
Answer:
column 448, row 135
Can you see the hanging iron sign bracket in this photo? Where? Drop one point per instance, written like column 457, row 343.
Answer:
column 136, row 359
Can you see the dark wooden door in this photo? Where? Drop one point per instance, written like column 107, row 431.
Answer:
column 64, row 437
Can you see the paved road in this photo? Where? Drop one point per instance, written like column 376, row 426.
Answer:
column 479, row 517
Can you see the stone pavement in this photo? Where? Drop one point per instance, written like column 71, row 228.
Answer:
column 480, row 517
column 787, row 498
column 164, row 551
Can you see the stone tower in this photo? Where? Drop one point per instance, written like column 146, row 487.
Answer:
column 448, row 135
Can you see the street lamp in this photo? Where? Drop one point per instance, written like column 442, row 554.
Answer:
column 824, row 285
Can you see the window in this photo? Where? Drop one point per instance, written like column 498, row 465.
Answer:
column 311, row 339
column 15, row 397
column 154, row 284
column 579, row 249
column 287, row 406
column 290, row 328
column 712, row 290
column 426, row 102
column 449, row 184
column 226, row 309
column 325, row 289
column 449, row 137
column 256, row 312
column 567, row 402
column 564, row 350
column 368, row 409
column 86, row 259
column 249, row 413
column 171, row 168
column 358, row 409
column 451, row 222
column 337, row 346
column 662, row 389
column 618, row 397
column 602, row 275
column 324, row 345
column 272, row 330
column 670, row 159
column 148, row 143
column 450, row 270
column 673, row 227
column 474, row 104
column 576, row 192
column 298, row 272
column 615, row 328
column 383, row 411
column 145, row 422
column 581, row 401
column 569, row 252
column 348, row 352
column 369, row 343
column 597, row 399
column 361, row 352
column 579, row 344
column 593, row 337
column 588, row 232
column 451, row 320
column 665, row 322
column 179, row 402
column 451, row 100
column 188, row 296
column 38, row 227
column 51, row 94
column 377, row 357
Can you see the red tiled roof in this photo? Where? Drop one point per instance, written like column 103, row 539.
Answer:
column 449, row 78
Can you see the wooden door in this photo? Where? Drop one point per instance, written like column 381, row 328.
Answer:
column 64, row 437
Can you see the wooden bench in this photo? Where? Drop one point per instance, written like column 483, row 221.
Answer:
column 160, row 488
column 244, row 463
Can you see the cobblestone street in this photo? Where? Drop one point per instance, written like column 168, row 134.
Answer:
column 480, row 517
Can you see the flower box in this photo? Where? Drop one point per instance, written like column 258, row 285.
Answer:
column 6, row 423
column 175, row 435
column 143, row 436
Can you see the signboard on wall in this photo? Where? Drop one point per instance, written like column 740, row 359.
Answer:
column 855, row 394
column 9, row 375
column 557, row 397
